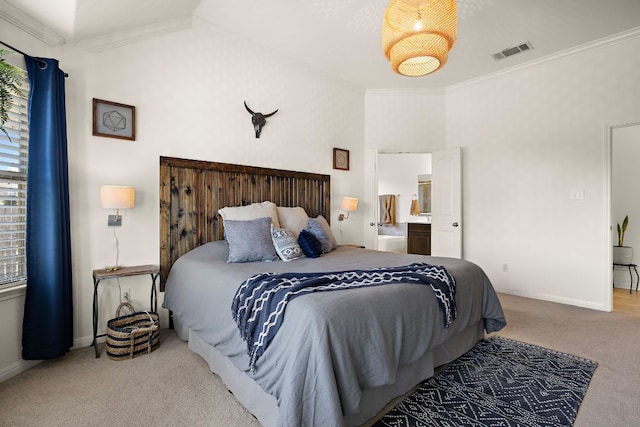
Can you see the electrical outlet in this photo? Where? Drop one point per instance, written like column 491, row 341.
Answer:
column 577, row 194
column 125, row 296
column 505, row 268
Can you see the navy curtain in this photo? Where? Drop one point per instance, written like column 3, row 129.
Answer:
column 47, row 329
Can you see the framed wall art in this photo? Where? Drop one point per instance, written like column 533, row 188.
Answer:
column 114, row 120
column 341, row 159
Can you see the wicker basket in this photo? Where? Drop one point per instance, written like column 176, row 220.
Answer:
column 133, row 334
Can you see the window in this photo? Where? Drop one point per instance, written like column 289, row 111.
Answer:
column 13, row 194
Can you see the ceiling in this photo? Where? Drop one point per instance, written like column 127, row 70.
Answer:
column 342, row 37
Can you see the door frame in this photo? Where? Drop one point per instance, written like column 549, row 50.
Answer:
column 370, row 229
column 372, row 159
column 608, row 230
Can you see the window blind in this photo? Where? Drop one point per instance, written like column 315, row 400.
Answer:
column 13, row 193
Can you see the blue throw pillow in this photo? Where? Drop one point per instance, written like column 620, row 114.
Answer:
column 320, row 228
column 310, row 244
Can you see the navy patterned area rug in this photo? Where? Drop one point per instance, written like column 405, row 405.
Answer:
column 500, row 382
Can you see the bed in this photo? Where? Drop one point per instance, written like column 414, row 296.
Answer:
column 338, row 357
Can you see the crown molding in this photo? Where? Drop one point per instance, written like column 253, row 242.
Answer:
column 406, row 91
column 122, row 38
column 597, row 44
column 31, row 26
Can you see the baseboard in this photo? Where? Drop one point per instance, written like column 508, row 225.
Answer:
column 17, row 368
column 84, row 342
column 553, row 298
column 625, row 286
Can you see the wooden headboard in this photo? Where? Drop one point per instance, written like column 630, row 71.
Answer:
column 192, row 191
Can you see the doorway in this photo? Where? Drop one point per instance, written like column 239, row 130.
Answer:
column 446, row 202
column 625, row 201
column 398, row 184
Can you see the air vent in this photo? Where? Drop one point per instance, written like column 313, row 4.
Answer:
column 510, row 51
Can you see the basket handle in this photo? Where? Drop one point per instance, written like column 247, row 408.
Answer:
column 124, row 304
column 144, row 330
column 153, row 322
column 140, row 331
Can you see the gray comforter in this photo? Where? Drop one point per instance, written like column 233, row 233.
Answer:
column 331, row 345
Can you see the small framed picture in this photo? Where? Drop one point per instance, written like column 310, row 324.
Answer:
column 114, row 120
column 341, row 159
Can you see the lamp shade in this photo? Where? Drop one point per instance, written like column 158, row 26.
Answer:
column 417, row 36
column 349, row 204
column 117, row 196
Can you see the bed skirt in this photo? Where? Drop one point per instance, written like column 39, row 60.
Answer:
column 265, row 408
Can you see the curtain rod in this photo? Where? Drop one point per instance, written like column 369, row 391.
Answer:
column 22, row 53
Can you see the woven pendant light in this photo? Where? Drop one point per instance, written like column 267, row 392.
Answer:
column 417, row 35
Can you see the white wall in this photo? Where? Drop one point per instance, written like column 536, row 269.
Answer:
column 404, row 121
column 188, row 89
column 625, row 198
column 529, row 139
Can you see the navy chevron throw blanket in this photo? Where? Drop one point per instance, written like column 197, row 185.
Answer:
column 260, row 301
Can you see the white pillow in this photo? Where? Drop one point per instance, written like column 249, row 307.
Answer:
column 286, row 244
column 293, row 219
column 252, row 211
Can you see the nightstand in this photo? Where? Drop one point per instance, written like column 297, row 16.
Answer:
column 137, row 270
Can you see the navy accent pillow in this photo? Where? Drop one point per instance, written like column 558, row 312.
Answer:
column 310, row 244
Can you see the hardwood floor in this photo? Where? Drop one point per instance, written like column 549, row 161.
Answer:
column 625, row 302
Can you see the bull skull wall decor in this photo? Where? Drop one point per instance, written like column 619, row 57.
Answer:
column 258, row 119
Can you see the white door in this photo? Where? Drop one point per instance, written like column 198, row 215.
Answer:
column 371, row 175
column 446, row 217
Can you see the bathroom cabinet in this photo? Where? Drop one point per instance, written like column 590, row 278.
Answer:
column 419, row 238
